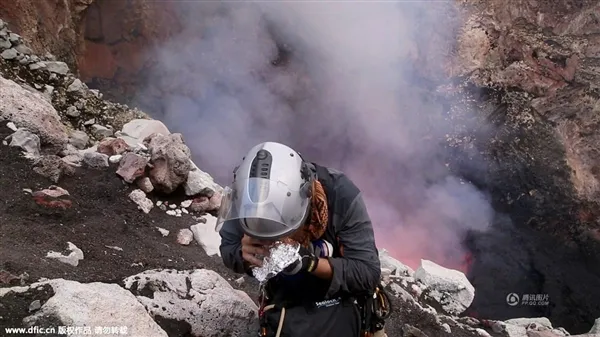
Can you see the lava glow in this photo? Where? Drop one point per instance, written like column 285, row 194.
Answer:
column 411, row 254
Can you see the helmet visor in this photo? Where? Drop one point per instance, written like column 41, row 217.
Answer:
column 266, row 208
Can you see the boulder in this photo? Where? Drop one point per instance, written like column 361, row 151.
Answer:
column 52, row 197
column 542, row 333
column 112, row 146
column 79, row 139
column 27, row 141
column 100, row 131
column 200, row 300
column 131, row 167
column 30, row 110
column 9, row 54
column 77, row 87
column 596, row 327
column 530, row 322
column 396, row 267
column 95, row 159
column 145, row 184
column 449, row 288
column 88, row 306
column 170, row 161
column 57, row 67
column 141, row 128
column 200, row 204
column 52, row 167
column 199, row 181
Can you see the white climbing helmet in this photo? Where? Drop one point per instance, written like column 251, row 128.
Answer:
column 270, row 193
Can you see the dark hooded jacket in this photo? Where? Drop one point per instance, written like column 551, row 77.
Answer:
column 317, row 307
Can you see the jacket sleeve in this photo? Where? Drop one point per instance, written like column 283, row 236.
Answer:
column 359, row 269
column 231, row 246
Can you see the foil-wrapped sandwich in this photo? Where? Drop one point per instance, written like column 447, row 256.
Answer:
column 281, row 255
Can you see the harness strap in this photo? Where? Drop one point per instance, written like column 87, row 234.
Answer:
column 281, row 319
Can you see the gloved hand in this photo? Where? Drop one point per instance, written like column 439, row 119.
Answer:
column 307, row 263
column 309, row 257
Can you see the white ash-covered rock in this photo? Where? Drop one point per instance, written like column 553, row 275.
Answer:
column 185, row 237
column 596, row 327
column 409, row 306
column 79, row 139
column 90, row 305
column 139, row 197
column 139, row 129
column 9, row 54
column 115, row 159
column 199, row 181
column 72, row 258
column 100, row 131
column 77, row 87
column 206, row 236
column 396, row 267
column 528, row 327
column 200, row 299
column 145, row 184
column 530, row 322
column 56, row 67
column 31, row 111
column 27, row 141
column 163, row 232
column 449, row 288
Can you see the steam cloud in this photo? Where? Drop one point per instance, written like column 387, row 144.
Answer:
column 346, row 95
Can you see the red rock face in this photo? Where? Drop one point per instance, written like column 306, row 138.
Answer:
column 104, row 40
column 47, row 26
column 117, row 38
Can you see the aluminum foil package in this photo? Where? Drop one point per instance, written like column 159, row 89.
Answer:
column 280, row 256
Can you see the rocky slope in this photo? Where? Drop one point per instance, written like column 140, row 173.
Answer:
column 111, row 186
column 531, row 73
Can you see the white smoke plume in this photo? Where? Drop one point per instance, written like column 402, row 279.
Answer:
column 345, row 95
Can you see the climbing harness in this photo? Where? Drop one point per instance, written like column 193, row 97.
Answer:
column 262, row 298
column 375, row 309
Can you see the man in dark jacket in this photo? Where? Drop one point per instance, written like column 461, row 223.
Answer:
column 277, row 195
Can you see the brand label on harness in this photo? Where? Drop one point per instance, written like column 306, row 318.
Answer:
column 328, row 303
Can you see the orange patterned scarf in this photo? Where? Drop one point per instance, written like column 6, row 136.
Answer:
column 319, row 216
